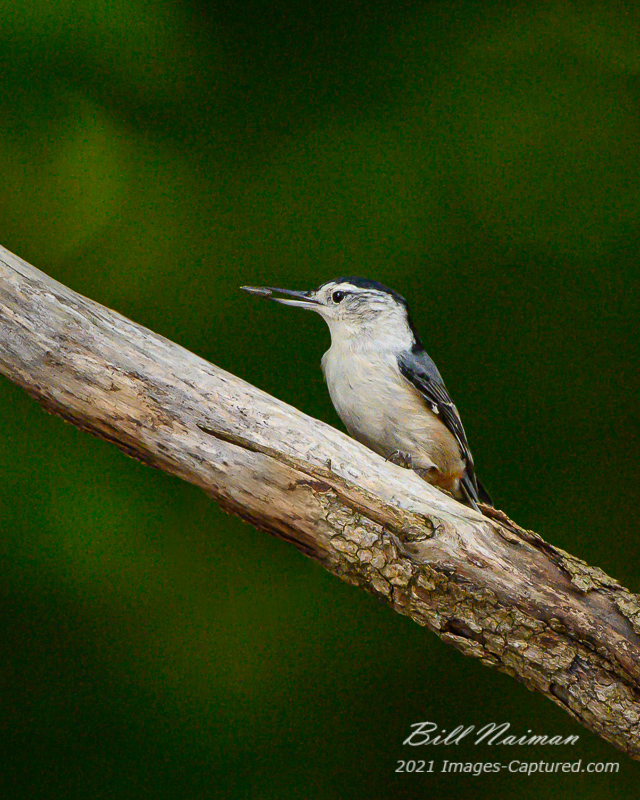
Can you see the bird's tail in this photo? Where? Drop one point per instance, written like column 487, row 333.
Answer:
column 474, row 491
column 483, row 495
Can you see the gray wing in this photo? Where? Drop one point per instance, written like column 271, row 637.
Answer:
column 418, row 368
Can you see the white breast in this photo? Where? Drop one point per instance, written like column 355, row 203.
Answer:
column 381, row 409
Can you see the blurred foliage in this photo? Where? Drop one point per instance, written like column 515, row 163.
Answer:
column 480, row 158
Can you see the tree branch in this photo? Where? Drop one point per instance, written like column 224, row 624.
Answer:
column 483, row 584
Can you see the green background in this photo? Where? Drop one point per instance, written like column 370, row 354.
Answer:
column 483, row 160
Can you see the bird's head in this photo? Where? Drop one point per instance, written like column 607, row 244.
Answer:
column 353, row 308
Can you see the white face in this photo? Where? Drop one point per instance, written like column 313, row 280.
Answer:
column 355, row 305
column 351, row 310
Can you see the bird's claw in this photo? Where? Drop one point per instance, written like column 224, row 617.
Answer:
column 400, row 459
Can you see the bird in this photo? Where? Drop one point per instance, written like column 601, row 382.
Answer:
column 384, row 386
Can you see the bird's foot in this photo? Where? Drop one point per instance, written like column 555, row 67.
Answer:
column 400, row 459
column 429, row 474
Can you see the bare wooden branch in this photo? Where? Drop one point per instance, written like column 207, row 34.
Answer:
column 484, row 585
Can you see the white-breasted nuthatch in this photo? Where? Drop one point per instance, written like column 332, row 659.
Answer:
column 384, row 386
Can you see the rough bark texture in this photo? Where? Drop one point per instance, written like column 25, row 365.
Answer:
column 489, row 588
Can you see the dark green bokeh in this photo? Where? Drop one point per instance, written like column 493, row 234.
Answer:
column 482, row 161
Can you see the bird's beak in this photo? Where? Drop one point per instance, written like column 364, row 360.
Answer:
column 301, row 299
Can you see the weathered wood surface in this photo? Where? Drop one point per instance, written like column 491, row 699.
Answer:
column 491, row 589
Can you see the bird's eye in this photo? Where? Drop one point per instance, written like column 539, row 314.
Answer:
column 338, row 297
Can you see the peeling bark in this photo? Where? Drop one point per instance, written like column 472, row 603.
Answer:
column 491, row 589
